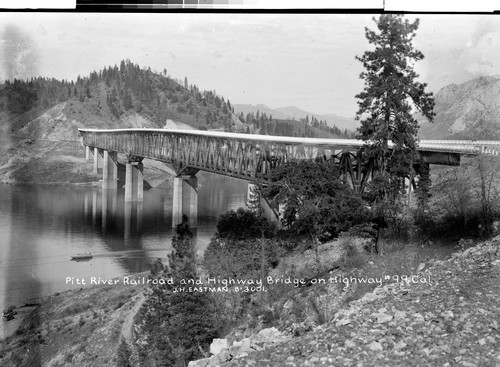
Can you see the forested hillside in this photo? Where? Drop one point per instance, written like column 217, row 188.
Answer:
column 264, row 124
column 115, row 92
column 40, row 117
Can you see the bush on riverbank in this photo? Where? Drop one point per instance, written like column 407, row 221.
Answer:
column 178, row 325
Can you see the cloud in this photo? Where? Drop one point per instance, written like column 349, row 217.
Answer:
column 482, row 50
column 218, row 54
column 61, row 36
column 19, row 54
column 41, row 30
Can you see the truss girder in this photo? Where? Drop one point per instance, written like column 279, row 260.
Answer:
column 246, row 157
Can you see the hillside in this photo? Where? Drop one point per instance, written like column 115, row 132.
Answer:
column 261, row 123
column 285, row 127
column 330, row 119
column 262, row 108
column 39, row 118
column 450, row 319
column 466, row 111
column 97, row 320
column 292, row 112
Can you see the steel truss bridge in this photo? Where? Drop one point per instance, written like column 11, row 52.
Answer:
column 254, row 157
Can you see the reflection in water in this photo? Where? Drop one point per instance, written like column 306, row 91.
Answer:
column 94, row 207
column 108, row 206
column 42, row 226
column 132, row 218
column 128, row 219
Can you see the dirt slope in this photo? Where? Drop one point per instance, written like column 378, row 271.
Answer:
column 75, row 328
column 452, row 321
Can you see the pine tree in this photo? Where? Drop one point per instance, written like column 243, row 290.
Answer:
column 179, row 323
column 390, row 98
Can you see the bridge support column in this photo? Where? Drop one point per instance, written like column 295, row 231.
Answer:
column 185, row 200
column 96, row 160
column 134, row 180
column 109, row 171
column 87, row 152
column 192, row 187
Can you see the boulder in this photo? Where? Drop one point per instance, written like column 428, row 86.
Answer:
column 218, row 345
column 205, row 362
column 223, row 353
column 218, row 359
column 269, row 335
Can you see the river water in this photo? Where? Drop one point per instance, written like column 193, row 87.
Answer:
column 42, row 226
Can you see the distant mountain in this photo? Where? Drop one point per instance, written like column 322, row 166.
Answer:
column 248, row 108
column 331, row 119
column 469, row 110
column 292, row 112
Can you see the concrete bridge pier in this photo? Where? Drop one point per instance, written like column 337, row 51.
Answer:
column 185, row 200
column 87, row 152
column 109, row 170
column 97, row 153
column 134, row 181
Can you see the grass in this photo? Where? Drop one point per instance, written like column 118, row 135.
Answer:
column 299, row 309
column 86, row 317
column 400, row 258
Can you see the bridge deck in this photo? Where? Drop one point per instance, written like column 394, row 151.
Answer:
column 249, row 156
column 444, row 146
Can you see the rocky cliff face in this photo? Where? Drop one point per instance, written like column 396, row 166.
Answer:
column 467, row 111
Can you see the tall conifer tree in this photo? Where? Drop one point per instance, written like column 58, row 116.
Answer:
column 391, row 97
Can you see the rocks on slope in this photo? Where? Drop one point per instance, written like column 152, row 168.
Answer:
column 452, row 319
column 223, row 352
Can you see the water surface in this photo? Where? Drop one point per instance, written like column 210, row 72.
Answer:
column 42, row 226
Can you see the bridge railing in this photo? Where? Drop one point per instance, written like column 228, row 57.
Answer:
column 253, row 156
column 459, row 146
column 235, row 154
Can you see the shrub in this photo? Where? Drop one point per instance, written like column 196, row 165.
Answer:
column 243, row 224
column 177, row 324
column 123, row 355
column 351, row 258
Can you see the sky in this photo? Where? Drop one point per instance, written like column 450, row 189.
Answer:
column 304, row 60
